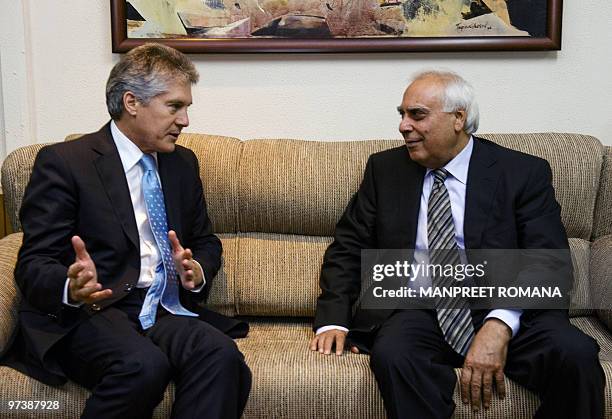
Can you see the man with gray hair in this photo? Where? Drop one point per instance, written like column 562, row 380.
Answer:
column 447, row 189
column 118, row 253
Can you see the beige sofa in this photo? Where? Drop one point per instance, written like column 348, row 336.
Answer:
column 274, row 203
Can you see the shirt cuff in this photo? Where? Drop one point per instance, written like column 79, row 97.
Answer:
column 65, row 296
column 512, row 318
column 330, row 327
column 201, row 287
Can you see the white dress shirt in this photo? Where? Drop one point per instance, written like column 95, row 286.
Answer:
column 130, row 155
column 455, row 183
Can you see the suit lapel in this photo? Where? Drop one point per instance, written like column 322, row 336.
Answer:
column 401, row 198
column 483, row 176
column 111, row 173
column 410, row 202
column 170, row 180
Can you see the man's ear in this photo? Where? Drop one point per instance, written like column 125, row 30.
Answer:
column 460, row 116
column 130, row 103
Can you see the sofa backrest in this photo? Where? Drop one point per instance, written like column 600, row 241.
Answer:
column 292, row 193
column 275, row 202
column 16, row 171
column 602, row 222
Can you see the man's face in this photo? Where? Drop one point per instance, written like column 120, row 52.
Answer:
column 157, row 125
column 433, row 137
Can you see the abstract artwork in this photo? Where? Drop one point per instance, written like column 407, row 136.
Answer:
column 338, row 25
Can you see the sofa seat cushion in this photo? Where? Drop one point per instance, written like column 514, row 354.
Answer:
column 595, row 328
column 71, row 397
column 290, row 381
column 297, row 383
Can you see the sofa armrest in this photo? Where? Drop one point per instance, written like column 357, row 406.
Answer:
column 9, row 294
column 601, row 278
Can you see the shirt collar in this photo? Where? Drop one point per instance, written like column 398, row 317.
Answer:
column 459, row 165
column 129, row 153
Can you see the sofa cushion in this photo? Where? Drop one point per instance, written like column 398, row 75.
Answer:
column 221, row 298
column 576, row 165
column 9, row 295
column 16, row 171
column 70, row 397
column 601, row 278
column 218, row 157
column 277, row 274
column 594, row 328
column 581, row 303
column 300, row 187
column 602, row 222
column 291, row 381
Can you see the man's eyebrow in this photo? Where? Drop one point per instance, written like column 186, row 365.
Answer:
column 413, row 109
column 177, row 102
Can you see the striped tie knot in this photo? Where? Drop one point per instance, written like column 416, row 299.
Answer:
column 440, row 175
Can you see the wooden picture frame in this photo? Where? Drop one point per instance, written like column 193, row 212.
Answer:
column 549, row 37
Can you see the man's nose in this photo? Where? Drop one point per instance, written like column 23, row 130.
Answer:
column 182, row 118
column 405, row 125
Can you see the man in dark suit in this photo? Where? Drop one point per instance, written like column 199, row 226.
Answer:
column 118, row 251
column 447, row 189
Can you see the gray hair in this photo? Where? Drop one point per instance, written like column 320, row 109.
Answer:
column 458, row 95
column 146, row 71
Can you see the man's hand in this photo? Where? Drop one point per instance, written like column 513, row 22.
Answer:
column 83, row 286
column 190, row 273
column 484, row 363
column 323, row 342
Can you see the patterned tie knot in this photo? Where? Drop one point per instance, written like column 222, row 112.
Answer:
column 147, row 162
column 440, row 175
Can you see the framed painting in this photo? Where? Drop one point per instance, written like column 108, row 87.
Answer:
column 244, row 26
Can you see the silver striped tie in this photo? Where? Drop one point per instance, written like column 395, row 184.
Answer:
column 454, row 315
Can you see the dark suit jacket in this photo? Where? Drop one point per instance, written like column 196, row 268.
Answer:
column 509, row 204
column 79, row 187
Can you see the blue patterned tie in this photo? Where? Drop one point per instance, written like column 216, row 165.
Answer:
column 455, row 318
column 165, row 283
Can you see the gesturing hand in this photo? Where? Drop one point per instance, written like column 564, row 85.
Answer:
column 190, row 273
column 83, row 286
column 484, row 363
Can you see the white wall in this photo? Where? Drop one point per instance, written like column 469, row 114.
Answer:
column 56, row 57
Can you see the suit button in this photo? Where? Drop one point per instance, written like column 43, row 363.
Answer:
column 128, row 287
column 95, row 307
